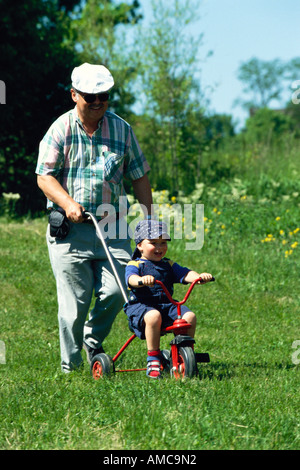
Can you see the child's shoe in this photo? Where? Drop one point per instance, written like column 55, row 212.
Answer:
column 154, row 365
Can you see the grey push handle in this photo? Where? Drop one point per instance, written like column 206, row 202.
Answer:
column 109, row 257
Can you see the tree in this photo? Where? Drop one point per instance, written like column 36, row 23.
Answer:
column 167, row 59
column 268, row 126
column 35, row 66
column 262, row 80
column 99, row 38
column 37, row 55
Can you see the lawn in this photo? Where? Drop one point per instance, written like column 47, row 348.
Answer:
column 246, row 398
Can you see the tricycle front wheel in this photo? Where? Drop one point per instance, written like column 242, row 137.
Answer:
column 186, row 366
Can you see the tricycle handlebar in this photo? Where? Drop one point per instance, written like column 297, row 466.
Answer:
column 174, row 302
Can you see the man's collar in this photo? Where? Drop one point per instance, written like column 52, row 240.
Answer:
column 77, row 118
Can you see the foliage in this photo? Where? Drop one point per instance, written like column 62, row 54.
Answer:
column 263, row 80
column 97, row 32
column 36, row 78
column 267, row 126
column 157, row 90
column 167, row 58
column 37, row 56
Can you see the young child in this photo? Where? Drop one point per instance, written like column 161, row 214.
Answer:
column 148, row 309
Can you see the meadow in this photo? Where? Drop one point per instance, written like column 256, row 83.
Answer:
column 245, row 398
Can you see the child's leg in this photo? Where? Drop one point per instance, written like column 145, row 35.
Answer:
column 191, row 318
column 152, row 321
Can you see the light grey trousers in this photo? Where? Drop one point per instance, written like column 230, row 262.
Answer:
column 81, row 267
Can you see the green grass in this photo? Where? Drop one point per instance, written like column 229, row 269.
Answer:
column 247, row 397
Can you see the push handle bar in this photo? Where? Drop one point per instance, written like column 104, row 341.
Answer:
column 174, row 302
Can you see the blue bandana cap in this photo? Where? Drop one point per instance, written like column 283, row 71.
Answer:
column 150, row 230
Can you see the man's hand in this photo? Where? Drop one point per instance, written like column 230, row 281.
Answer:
column 55, row 192
column 74, row 212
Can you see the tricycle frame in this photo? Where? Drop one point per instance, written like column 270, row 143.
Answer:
column 182, row 357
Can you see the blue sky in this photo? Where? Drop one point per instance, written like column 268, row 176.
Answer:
column 236, row 31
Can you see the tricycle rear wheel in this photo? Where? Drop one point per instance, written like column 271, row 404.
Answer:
column 101, row 365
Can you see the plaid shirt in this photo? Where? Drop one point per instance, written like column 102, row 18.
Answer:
column 91, row 169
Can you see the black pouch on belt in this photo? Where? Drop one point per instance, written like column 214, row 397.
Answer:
column 59, row 224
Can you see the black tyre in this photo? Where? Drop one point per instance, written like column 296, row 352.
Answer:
column 166, row 360
column 101, row 365
column 187, row 363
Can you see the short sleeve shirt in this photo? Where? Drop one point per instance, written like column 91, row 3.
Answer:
column 166, row 271
column 91, row 169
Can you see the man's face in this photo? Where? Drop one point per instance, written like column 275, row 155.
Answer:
column 90, row 111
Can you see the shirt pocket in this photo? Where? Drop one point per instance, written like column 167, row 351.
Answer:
column 113, row 167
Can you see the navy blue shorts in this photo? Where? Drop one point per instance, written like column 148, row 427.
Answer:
column 136, row 312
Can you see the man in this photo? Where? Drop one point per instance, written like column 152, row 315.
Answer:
column 83, row 159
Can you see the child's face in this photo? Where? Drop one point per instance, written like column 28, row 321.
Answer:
column 153, row 250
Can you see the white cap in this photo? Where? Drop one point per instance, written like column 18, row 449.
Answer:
column 90, row 78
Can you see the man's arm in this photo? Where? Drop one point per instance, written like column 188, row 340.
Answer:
column 142, row 191
column 56, row 193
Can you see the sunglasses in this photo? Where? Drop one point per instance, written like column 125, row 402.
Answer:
column 91, row 97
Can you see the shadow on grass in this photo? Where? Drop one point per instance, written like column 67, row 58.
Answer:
column 223, row 371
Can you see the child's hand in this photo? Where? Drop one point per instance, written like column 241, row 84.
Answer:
column 148, row 280
column 206, row 277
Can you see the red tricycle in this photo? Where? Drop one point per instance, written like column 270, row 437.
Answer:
column 180, row 362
